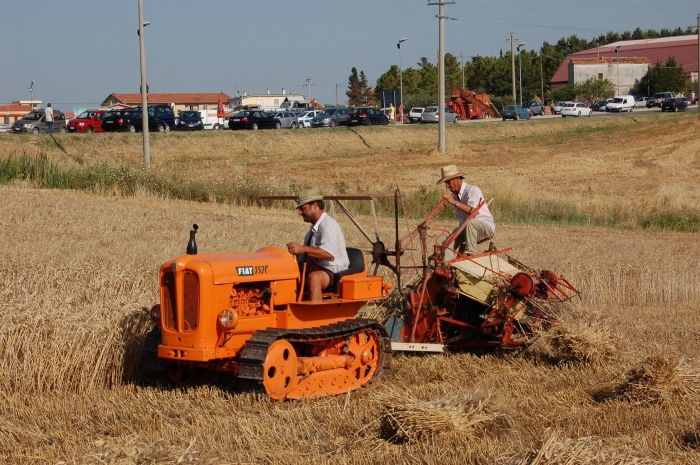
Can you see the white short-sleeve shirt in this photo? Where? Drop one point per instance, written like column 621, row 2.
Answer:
column 327, row 235
column 471, row 195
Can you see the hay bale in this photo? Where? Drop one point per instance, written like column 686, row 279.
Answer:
column 411, row 421
column 581, row 337
column 657, row 380
column 588, row 450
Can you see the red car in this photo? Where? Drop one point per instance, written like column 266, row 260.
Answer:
column 87, row 121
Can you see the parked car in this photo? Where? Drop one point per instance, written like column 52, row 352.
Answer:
column 575, row 109
column 658, row 98
column 115, row 120
column 515, row 112
column 161, row 113
column 675, row 104
column 557, row 108
column 367, row 117
column 253, row 119
column 87, row 121
column 132, row 121
column 35, row 122
column 414, row 115
column 304, row 118
column 641, row 102
column 287, row 119
column 600, row 106
column 331, row 117
column 189, row 120
column 431, row 115
column 621, row 103
column 535, row 107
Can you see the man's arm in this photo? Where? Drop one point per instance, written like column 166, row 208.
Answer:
column 458, row 204
column 313, row 252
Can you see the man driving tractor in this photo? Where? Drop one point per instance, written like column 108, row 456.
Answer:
column 324, row 245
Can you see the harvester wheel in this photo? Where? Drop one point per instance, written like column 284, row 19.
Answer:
column 280, row 369
column 365, row 348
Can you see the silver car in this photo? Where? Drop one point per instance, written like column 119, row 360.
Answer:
column 431, row 115
column 287, row 119
column 330, row 117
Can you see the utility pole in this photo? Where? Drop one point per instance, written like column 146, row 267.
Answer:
column 308, row 84
column 144, row 91
column 441, row 73
column 512, row 41
column 462, row 55
column 541, row 79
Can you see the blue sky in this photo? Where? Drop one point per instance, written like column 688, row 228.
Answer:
column 80, row 51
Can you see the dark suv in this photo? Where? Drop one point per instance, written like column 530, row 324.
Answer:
column 658, row 99
column 161, row 118
column 675, row 104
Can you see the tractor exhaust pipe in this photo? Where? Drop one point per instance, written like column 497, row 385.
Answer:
column 192, row 244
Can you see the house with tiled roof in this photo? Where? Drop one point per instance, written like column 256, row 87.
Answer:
column 635, row 57
column 177, row 100
column 11, row 112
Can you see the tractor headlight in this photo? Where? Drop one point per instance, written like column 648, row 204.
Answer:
column 228, row 319
column 155, row 314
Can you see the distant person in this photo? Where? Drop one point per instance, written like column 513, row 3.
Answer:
column 49, row 119
column 324, row 245
column 392, row 112
column 465, row 199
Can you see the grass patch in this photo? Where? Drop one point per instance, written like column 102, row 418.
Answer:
column 126, row 180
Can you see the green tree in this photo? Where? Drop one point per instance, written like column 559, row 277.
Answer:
column 411, row 80
column 428, row 77
column 358, row 88
column 593, row 90
column 453, row 74
column 389, row 80
column 563, row 93
column 663, row 78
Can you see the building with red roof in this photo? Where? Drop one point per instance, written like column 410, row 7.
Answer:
column 635, row 58
column 177, row 100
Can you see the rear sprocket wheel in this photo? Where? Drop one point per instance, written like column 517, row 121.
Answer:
column 364, row 347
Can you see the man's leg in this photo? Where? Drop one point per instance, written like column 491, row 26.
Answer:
column 477, row 231
column 317, row 280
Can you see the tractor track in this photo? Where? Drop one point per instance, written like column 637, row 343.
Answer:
column 250, row 363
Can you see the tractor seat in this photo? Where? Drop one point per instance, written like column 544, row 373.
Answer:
column 357, row 265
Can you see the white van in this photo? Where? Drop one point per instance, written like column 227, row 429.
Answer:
column 621, row 103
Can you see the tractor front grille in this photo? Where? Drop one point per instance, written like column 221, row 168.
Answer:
column 190, row 317
column 169, row 301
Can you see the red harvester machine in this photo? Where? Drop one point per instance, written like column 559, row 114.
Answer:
column 469, row 105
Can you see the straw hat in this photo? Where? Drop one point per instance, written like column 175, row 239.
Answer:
column 308, row 195
column 450, row 172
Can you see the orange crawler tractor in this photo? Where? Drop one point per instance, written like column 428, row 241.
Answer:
column 245, row 313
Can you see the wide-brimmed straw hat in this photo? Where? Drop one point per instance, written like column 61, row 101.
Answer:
column 309, row 195
column 450, row 172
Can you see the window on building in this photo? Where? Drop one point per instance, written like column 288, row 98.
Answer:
column 600, row 75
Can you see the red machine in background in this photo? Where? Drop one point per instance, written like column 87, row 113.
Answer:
column 469, row 105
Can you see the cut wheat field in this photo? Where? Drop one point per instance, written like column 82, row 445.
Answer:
column 617, row 382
